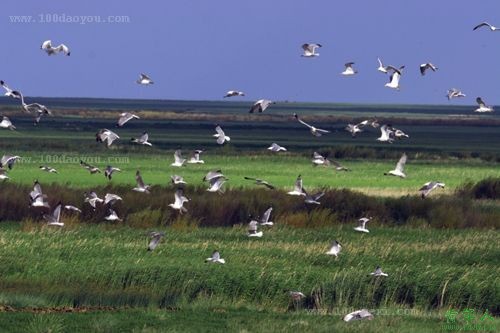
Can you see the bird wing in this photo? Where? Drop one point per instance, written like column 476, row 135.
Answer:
column 124, row 118
column 380, row 62
column 302, row 122
column 266, row 215
column 401, row 163
column 219, row 131
column 250, row 178
column 216, row 255
column 481, row 103
column 253, row 225
column 177, row 156
column 145, row 77
column 56, row 214
column 483, row 24
column 322, row 130
column 139, row 180
column 318, row 195
column 298, row 184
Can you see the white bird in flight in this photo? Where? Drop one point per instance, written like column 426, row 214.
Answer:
column 38, row 199
column 358, row 315
column 55, row 217
column 9, row 92
column 144, row 80
column 378, row 272
column 215, row 258
column 261, row 105
column 310, row 50
column 381, row 67
column 264, row 220
column 142, row 140
column 349, row 70
column 195, row 158
column 177, row 180
column 92, row 199
column 47, row 168
column 155, row 239
column 221, row 136
column 91, row 168
column 141, row 187
column 428, row 187
column 314, row 131
column 298, row 188
column 179, row 161
column 454, row 93
column 9, row 160
column 125, row 117
column 252, row 229
column 362, row 224
column 486, row 24
column 111, row 199
column 51, row 50
column 112, row 216
column 108, row 172
column 232, row 93
column 426, row 66
column 394, row 78
column 7, row 124
column 334, row 249
column 482, row 106
column 179, row 201
column 399, row 170
column 386, row 134
column 106, row 136
column 274, row 147
column 216, row 183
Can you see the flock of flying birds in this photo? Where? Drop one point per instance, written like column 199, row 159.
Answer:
column 215, row 178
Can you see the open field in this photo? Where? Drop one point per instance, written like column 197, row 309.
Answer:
column 280, row 170
column 108, row 266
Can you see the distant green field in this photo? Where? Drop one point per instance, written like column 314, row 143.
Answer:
column 280, row 170
column 108, row 266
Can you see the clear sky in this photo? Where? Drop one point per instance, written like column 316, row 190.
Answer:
column 198, row 49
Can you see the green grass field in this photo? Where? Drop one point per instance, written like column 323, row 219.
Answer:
column 105, row 266
column 280, row 170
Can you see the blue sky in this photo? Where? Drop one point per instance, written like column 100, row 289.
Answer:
column 198, row 49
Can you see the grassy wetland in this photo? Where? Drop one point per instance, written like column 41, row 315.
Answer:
column 441, row 253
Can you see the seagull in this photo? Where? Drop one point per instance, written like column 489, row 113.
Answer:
column 399, row 134
column 178, row 160
column 399, row 171
column 72, row 208
column 142, row 140
column 47, row 47
column 92, row 198
column 381, row 67
column 314, row 131
column 144, row 80
column 276, row 147
column 318, row 159
column 310, row 50
column 394, row 78
column 213, row 174
column 428, row 187
column 261, row 182
column 252, row 229
column 215, row 258
column 111, row 199
column 125, row 117
column 264, row 220
column 36, row 108
column 221, row 136
column 486, row 24
column 92, row 169
column 38, row 199
column 3, row 174
column 55, row 217
column 426, row 66
column 482, row 106
column 362, row 224
column 313, row 198
column 112, row 216
column 358, row 315
column 297, row 189
column 155, row 239
column 106, row 136
column 386, row 134
column 6, row 123
column 216, row 184
column 232, row 93
column 176, row 180
column 141, row 187
column 180, row 199
column 47, row 169
column 338, row 166
column 357, row 128
column 335, row 249
column 378, row 272
column 349, row 70
column 8, row 160
column 108, row 172
column 9, row 92
column 261, row 105
column 195, row 159
column 454, row 93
